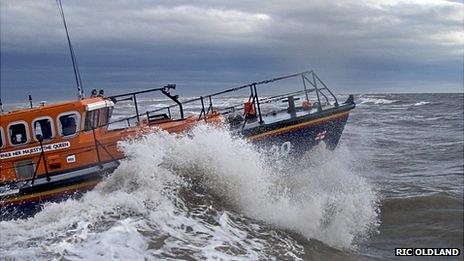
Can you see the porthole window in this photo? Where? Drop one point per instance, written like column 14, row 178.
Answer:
column 44, row 128
column 69, row 124
column 18, row 134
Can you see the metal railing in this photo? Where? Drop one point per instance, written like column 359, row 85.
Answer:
column 310, row 83
column 309, row 78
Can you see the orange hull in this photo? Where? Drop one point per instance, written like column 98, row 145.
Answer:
column 67, row 161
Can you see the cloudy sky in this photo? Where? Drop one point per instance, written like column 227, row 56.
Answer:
column 355, row 46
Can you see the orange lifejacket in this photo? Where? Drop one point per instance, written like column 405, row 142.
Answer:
column 249, row 109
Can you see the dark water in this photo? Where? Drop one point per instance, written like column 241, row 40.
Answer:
column 396, row 180
column 413, row 147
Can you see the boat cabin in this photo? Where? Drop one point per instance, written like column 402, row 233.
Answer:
column 63, row 130
column 47, row 141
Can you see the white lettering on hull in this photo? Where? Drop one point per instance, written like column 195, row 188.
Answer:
column 34, row 150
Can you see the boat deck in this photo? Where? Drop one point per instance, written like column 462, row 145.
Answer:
column 277, row 116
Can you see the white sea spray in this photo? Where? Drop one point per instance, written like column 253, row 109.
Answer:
column 139, row 211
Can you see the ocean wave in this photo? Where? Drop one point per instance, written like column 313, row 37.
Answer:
column 443, row 209
column 367, row 100
column 421, row 103
column 206, row 195
column 433, row 200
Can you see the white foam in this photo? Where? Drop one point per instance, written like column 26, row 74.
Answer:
column 421, row 103
column 367, row 100
column 299, row 199
column 140, row 211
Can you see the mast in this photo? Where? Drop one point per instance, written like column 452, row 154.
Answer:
column 77, row 74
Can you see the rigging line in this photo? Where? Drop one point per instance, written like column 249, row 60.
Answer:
column 77, row 75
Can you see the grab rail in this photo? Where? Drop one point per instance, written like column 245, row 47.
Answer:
column 308, row 78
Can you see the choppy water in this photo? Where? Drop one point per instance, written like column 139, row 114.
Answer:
column 396, row 180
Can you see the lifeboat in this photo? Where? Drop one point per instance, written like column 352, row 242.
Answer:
column 51, row 151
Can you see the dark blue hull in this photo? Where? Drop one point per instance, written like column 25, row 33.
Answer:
column 298, row 135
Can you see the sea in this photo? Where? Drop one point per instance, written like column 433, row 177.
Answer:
column 396, row 180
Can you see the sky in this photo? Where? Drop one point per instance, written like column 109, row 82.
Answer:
column 359, row 46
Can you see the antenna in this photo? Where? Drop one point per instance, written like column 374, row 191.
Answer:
column 77, row 74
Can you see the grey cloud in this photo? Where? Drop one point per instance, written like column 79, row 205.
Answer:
column 356, row 45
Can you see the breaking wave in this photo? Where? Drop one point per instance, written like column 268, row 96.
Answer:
column 421, row 103
column 368, row 100
column 203, row 195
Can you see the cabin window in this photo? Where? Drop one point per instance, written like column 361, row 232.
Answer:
column 1, row 138
column 92, row 119
column 43, row 127
column 69, row 123
column 105, row 115
column 18, row 134
column 97, row 118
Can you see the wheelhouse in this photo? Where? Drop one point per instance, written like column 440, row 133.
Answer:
column 55, row 127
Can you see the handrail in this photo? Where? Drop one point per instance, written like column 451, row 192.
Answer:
column 315, row 82
column 42, row 155
column 133, row 96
